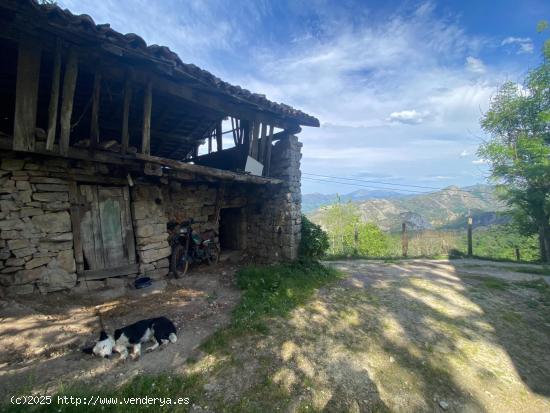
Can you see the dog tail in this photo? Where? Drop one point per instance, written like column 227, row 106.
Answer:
column 173, row 338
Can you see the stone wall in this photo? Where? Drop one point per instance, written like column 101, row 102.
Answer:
column 150, row 231
column 36, row 239
column 274, row 212
column 36, row 242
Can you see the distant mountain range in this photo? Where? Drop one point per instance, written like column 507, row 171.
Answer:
column 311, row 202
column 447, row 208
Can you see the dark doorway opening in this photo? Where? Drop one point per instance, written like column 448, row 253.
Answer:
column 231, row 229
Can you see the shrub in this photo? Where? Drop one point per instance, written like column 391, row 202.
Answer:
column 314, row 242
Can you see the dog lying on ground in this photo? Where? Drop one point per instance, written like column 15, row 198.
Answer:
column 158, row 330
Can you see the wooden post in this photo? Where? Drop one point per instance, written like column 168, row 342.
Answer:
column 263, row 139
column 26, row 95
column 210, row 143
column 125, row 115
column 355, row 238
column 54, row 96
column 470, row 247
column 69, row 86
column 96, row 98
column 268, row 147
column 404, row 239
column 146, row 132
column 518, row 255
column 219, row 144
column 254, row 141
column 246, row 135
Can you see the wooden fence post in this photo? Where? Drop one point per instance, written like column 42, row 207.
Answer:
column 518, row 255
column 470, row 247
column 404, row 239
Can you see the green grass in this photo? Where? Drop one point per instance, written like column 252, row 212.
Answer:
column 268, row 291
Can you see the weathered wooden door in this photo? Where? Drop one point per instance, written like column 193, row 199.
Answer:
column 106, row 232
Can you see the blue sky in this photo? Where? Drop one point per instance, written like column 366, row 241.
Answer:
column 399, row 86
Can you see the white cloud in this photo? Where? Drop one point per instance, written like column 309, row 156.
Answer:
column 475, row 65
column 480, row 161
column 525, row 44
column 464, row 153
column 411, row 117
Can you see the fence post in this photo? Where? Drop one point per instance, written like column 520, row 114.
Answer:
column 518, row 256
column 404, row 239
column 470, row 247
column 355, row 238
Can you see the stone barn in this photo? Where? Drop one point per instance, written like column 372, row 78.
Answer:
column 99, row 141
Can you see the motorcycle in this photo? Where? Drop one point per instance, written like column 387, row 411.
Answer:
column 188, row 247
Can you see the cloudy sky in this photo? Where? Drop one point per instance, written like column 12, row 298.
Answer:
column 399, row 86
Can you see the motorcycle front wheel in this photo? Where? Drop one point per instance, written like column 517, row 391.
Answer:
column 213, row 254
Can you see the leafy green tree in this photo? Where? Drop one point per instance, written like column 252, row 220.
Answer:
column 519, row 149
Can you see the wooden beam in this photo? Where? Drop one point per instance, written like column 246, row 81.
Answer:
column 69, row 86
column 96, row 99
column 26, row 95
column 268, row 147
column 247, row 132
column 219, row 136
column 261, row 151
column 126, row 115
column 54, row 96
column 146, row 131
column 210, row 143
column 254, row 141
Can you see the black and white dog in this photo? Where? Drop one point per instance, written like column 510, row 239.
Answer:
column 158, row 330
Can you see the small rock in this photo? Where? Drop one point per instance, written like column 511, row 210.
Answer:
column 443, row 404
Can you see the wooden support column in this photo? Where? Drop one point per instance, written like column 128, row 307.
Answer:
column 69, row 86
column 261, row 151
column 246, row 135
column 26, row 95
column 219, row 145
column 268, row 146
column 210, row 143
column 254, row 141
column 96, row 99
column 126, row 115
column 54, row 96
column 146, row 132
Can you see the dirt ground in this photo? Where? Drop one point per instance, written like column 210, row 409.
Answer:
column 407, row 336
column 41, row 338
column 403, row 336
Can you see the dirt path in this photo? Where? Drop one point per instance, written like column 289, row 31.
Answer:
column 408, row 336
column 41, row 339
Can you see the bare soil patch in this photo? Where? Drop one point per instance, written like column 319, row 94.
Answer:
column 41, row 337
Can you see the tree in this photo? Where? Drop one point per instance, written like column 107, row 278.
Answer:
column 518, row 151
column 314, row 241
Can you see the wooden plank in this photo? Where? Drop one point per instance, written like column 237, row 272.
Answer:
column 268, row 147
column 26, row 95
column 109, row 272
column 262, row 147
column 75, row 223
column 126, row 115
column 146, row 132
column 219, row 136
column 254, row 141
column 247, row 132
column 96, row 99
column 210, row 143
column 128, row 227
column 110, row 202
column 69, row 85
column 54, row 96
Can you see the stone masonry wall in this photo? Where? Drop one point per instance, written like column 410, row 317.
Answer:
column 274, row 212
column 36, row 242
